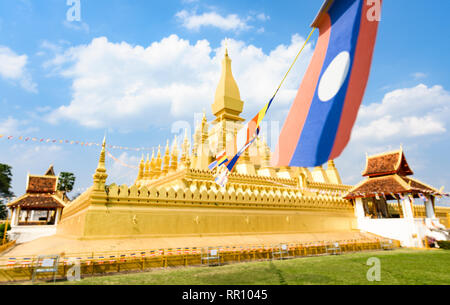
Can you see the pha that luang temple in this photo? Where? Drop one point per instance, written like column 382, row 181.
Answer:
column 174, row 201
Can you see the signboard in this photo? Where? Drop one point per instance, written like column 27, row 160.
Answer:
column 46, row 264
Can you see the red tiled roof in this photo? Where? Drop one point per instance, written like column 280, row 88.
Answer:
column 387, row 163
column 387, row 184
column 42, row 184
column 37, row 201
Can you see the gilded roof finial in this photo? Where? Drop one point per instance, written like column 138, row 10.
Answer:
column 331, row 164
column 100, row 173
column 227, row 100
column 226, row 47
column 101, row 161
column 141, row 173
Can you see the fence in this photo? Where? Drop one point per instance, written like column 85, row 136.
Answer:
column 21, row 268
column 7, row 245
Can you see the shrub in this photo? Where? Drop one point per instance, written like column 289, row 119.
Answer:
column 2, row 230
column 444, row 244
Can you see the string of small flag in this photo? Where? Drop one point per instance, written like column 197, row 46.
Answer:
column 120, row 161
column 71, row 142
column 401, row 196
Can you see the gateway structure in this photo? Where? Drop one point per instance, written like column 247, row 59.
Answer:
column 384, row 202
column 37, row 213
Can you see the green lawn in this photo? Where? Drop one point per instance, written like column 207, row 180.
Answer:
column 397, row 267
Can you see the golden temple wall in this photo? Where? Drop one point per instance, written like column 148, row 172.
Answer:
column 126, row 212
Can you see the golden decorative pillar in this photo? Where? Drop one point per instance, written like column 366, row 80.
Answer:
column 174, row 156
column 332, row 173
column 100, row 173
column 166, row 165
column 185, row 150
column 141, row 171
column 158, row 163
column 152, row 166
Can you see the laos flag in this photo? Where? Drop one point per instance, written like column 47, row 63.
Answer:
column 320, row 121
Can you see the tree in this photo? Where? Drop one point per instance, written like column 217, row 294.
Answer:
column 66, row 182
column 5, row 181
column 5, row 188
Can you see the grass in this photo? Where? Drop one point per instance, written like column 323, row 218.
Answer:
column 405, row 266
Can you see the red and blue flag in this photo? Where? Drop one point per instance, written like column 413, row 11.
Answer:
column 320, row 121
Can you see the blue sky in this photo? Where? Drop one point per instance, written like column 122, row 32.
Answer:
column 132, row 68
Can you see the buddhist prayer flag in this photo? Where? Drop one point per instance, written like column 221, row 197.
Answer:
column 423, row 197
column 322, row 116
column 244, row 138
column 220, row 159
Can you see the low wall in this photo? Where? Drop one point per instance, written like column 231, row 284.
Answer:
column 23, row 234
column 131, row 212
column 396, row 228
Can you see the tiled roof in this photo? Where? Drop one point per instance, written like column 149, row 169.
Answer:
column 387, row 163
column 42, row 184
column 387, row 184
column 37, row 201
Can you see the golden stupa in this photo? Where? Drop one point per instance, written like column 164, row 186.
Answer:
column 175, row 202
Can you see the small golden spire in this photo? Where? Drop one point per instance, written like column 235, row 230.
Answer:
column 158, row 162
column 146, row 167
column 166, row 159
column 141, row 173
column 174, row 157
column 152, row 165
column 185, row 148
column 331, row 164
column 100, row 173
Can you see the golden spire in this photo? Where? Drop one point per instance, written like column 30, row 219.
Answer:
column 331, row 164
column 174, row 155
column 227, row 101
column 266, row 154
column 166, row 159
column 204, row 128
column 152, row 165
column 141, row 173
column 185, row 148
column 100, row 173
column 147, row 167
column 158, row 163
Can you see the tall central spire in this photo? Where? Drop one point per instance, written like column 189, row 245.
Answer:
column 227, row 102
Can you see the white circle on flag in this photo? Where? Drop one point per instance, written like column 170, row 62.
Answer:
column 334, row 76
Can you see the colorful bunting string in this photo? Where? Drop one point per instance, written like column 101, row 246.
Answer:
column 72, row 142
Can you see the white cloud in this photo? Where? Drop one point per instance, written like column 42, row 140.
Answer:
column 11, row 127
column 405, row 113
column 13, row 68
column 77, row 26
column 192, row 21
column 121, row 171
column 419, row 75
column 418, row 118
column 262, row 17
column 118, row 85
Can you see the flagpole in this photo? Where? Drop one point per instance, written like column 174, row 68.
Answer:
column 295, row 60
